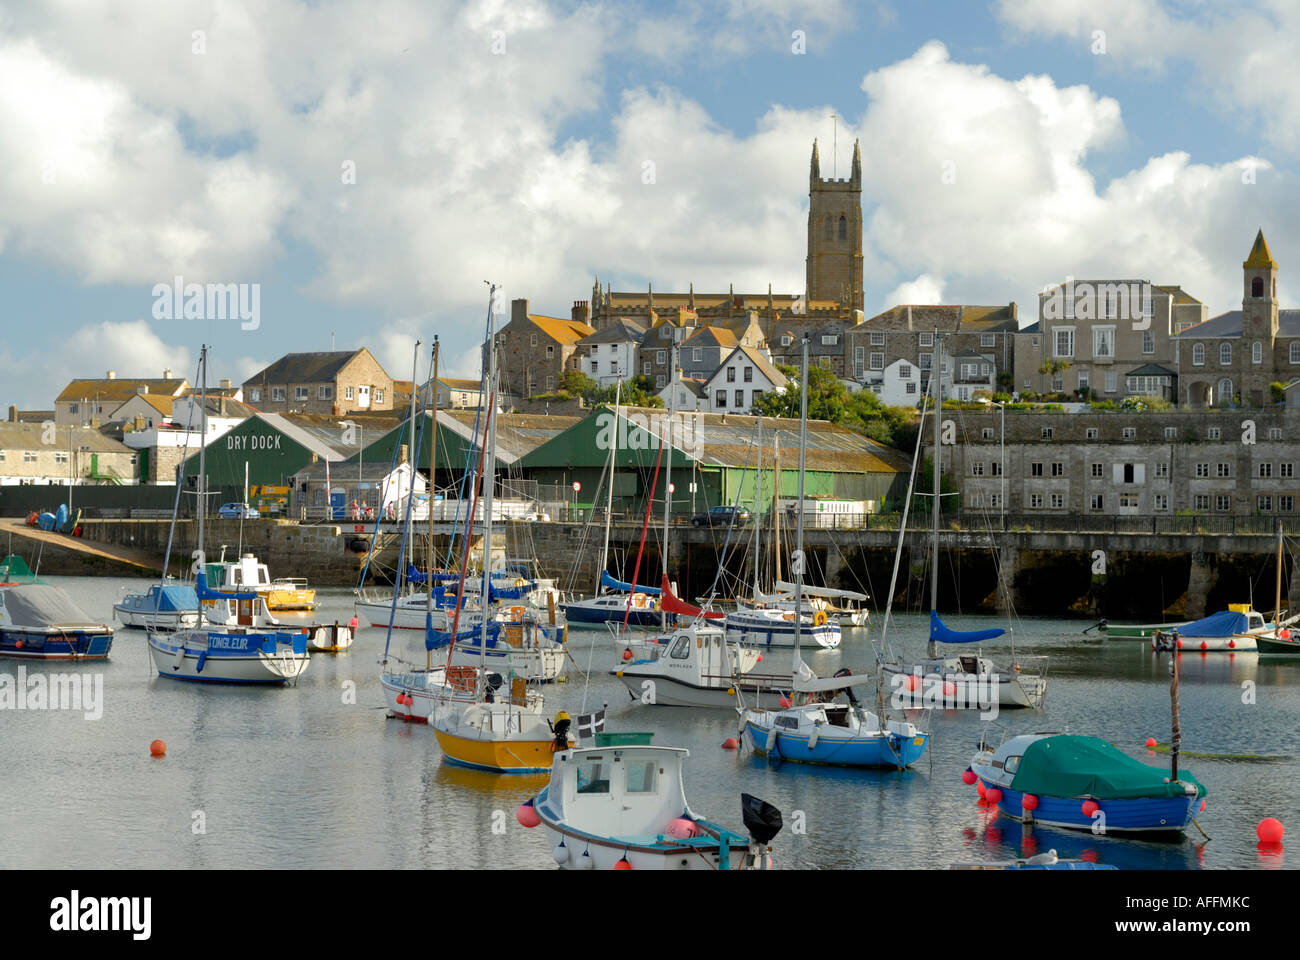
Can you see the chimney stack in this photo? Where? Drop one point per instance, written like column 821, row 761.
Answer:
column 13, row 414
column 167, row 374
column 225, row 384
column 112, row 375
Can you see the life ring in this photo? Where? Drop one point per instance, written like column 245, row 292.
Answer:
column 819, row 618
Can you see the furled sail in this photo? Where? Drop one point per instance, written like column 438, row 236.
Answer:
column 944, row 634
column 822, row 591
column 681, row 607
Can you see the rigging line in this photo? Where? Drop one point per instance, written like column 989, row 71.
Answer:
column 637, row 569
column 406, row 529
column 722, row 560
column 180, row 482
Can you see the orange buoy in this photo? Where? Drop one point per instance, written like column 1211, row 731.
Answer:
column 158, row 748
column 627, row 655
column 623, row 865
column 1151, row 743
column 1270, row 830
column 730, row 744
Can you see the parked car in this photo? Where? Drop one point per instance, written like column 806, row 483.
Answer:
column 720, row 516
column 235, row 511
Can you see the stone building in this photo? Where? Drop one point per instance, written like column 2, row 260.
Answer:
column 91, row 402
column 1233, row 358
column 533, row 351
column 834, row 263
column 330, row 383
column 46, row 453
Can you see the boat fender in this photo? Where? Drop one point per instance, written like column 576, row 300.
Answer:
column 179, row 658
column 203, row 658
column 770, row 746
column 816, row 735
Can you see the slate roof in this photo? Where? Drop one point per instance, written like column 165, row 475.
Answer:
column 305, row 367
column 1151, row 370
column 621, row 330
column 117, row 389
column 1229, row 325
column 30, row 436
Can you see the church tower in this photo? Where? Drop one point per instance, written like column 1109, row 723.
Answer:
column 1258, row 321
column 834, row 265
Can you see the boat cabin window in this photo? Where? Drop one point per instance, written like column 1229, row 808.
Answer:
column 1011, row 764
column 969, row 664
column 681, row 649
column 641, row 776
column 593, row 775
column 790, row 722
column 1256, row 621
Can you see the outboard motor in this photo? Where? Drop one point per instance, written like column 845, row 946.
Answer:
column 848, row 691
column 561, row 730
column 763, row 821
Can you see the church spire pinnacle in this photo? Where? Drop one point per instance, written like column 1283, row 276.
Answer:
column 1259, row 254
column 855, row 177
column 815, row 168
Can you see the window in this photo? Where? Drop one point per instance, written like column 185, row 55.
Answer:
column 1275, row 433
column 995, row 500
column 595, row 366
column 73, row 408
column 60, row 456
column 1160, row 501
column 532, row 340
column 977, row 469
column 1265, row 470
column 756, row 396
column 720, row 398
column 1111, row 378
column 1285, row 503
column 1058, row 501
column 1129, row 433
column 1256, row 352
column 1063, row 341
column 550, row 384
column 1222, row 502
column 1035, row 469
column 786, row 340
column 254, row 395
column 1201, row 501
column 697, row 354
column 660, row 381
column 1225, row 354
column 641, row 776
column 909, row 387
column 844, row 228
column 665, row 332
column 1212, row 433
column 1295, row 351
column 1264, row 503
column 661, row 356
column 830, row 339
column 1171, row 433
column 986, row 340
column 1148, row 341
column 325, row 392
column 301, row 393
column 1036, row 500
column 1096, row 501
column 1083, row 380
column 877, row 339
column 277, row 393
column 550, row 350
column 878, row 361
column 904, row 370
column 1286, row 470
column 731, row 374
column 1058, row 382
column 1090, row 433
column 926, row 360
column 347, row 393
column 1049, row 433
column 926, row 340
column 1223, row 469
column 995, row 468
column 749, row 374
column 1162, row 470
column 645, row 369
column 1103, row 342
column 1098, row 470
column 379, row 396
column 1257, row 287
column 1202, row 469
column 987, row 433
column 593, row 775
column 1198, row 354
column 740, row 399
column 595, row 349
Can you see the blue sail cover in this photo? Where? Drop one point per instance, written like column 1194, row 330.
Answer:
column 433, row 639
column 175, row 597
column 1223, row 624
column 202, row 591
column 609, row 583
column 415, row 575
column 944, row 635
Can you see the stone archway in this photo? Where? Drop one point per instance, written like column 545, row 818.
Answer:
column 1200, row 393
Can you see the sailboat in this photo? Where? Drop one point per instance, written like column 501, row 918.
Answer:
column 510, row 735
column 1282, row 639
column 251, row 650
column 966, row 680
column 816, row 731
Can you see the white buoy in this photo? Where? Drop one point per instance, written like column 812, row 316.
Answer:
column 585, row 862
column 561, row 853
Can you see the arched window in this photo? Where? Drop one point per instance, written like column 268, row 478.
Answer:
column 1256, row 352
column 1225, row 391
column 829, row 232
column 844, row 228
column 1257, row 287
column 1225, row 353
column 1198, row 354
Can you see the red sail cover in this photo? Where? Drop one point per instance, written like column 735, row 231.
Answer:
column 681, row 607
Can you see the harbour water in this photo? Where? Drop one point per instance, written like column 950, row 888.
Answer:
column 315, row 776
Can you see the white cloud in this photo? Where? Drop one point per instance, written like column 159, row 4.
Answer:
column 925, row 289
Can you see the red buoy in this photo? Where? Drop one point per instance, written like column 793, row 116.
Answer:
column 627, row 655
column 1180, row 644
column 1029, row 802
column 1204, row 645
column 1270, row 830
column 760, row 658
column 730, row 744
column 1151, row 743
column 353, row 623
column 968, row 776
column 1090, row 807
column 1232, row 644
column 526, row 815
column 623, row 865
column 993, row 795
column 949, row 688
column 158, row 748
column 1090, row 855
column 979, row 786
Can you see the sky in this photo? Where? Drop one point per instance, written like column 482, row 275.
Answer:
column 368, row 164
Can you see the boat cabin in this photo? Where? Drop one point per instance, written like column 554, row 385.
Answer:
column 625, row 793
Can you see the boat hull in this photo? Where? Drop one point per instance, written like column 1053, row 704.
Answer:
column 159, row 620
column 496, row 756
column 779, row 633
column 1236, row 644
column 670, row 692
column 1153, row 815
column 1138, row 631
column 605, row 852
column 19, row 644
column 329, row 638
column 884, row 750
column 967, row 691
column 578, row 613
column 194, row 660
column 376, row 614
column 1276, row 645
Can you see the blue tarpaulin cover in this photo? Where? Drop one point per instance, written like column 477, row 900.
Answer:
column 175, row 596
column 945, row 635
column 433, row 639
column 609, row 583
column 1223, row 624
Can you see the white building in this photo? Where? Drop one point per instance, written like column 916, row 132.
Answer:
column 743, row 377
column 609, row 355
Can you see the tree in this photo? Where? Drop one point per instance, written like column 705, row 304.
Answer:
column 894, row 426
column 827, row 397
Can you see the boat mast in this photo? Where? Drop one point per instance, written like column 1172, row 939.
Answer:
column 609, row 494
column 410, row 459
column 776, row 504
column 203, row 446
column 668, row 473
column 798, row 565
column 758, row 486
column 1277, row 597
column 489, row 481
column 433, row 449
column 935, row 500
